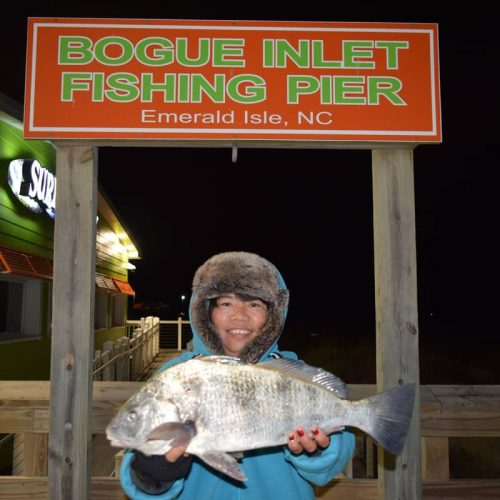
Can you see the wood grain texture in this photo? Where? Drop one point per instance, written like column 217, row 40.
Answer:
column 396, row 315
column 445, row 410
column 25, row 488
column 72, row 344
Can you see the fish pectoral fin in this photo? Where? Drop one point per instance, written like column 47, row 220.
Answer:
column 178, row 433
column 224, row 463
column 330, row 429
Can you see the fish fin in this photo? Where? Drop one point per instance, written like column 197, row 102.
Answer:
column 226, row 360
column 224, row 463
column 391, row 414
column 330, row 429
column 308, row 373
column 179, row 433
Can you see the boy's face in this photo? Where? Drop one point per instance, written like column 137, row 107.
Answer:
column 237, row 322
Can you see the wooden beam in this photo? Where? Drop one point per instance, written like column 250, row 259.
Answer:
column 72, row 324
column 366, row 489
column 396, row 307
column 446, row 411
column 27, row 488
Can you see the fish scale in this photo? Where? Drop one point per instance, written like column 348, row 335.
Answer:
column 217, row 405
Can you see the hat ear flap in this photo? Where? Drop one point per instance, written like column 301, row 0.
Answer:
column 283, row 297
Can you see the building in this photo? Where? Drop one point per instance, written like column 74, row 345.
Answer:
column 28, row 181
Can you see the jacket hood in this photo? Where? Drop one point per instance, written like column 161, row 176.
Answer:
column 238, row 273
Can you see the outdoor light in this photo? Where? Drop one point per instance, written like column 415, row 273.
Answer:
column 117, row 248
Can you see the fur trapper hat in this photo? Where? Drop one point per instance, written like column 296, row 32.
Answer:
column 238, row 273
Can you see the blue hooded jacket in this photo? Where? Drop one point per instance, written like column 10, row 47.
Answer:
column 273, row 473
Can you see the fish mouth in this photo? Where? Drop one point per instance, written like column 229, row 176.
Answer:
column 116, row 443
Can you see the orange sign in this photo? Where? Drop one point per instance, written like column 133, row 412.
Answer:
column 237, row 80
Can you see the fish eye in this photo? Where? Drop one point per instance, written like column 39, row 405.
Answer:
column 132, row 416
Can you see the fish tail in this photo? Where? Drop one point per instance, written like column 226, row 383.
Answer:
column 391, row 414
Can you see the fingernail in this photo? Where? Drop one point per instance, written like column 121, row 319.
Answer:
column 300, row 432
column 315, row 431
column 291, row 437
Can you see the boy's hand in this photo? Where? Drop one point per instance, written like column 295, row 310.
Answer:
column 175, row 453
column 300, row 440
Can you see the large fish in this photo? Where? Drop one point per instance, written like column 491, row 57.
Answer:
column 219, row 406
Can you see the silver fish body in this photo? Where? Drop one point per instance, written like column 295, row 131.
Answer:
column 218, row 405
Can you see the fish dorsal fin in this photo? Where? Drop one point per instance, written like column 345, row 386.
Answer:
column 226, row 360
column 308, row 373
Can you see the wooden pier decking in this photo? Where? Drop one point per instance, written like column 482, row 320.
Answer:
column 162, row 356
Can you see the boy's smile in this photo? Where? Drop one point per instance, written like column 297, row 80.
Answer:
column 237, row 322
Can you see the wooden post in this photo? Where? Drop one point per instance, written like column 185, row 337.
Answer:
column 134, row 363
column 435, row 459
column 124, row 363
column 30, row 454
column 118, row 462
column 151, row 343
column 137, row 355
column 70, row 435
column 156, row 347
column 35, row 454
column 97, row 364
column 179, row 333
column 108, row 351
column 396, row 308
column 348, row 470
column 144, row 350
column 119, row 366
column 370, row 466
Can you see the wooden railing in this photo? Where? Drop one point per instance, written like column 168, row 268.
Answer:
column 446, row 411
column 126, row 358
column 174, row 334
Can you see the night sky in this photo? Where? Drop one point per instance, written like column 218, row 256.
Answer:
column 183, row 205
